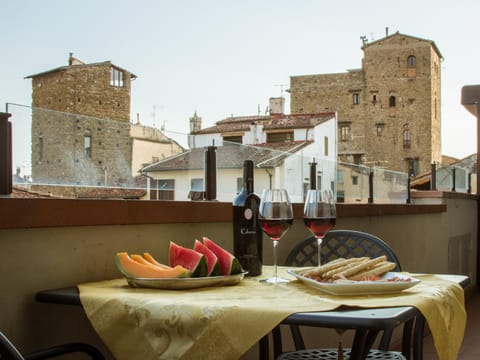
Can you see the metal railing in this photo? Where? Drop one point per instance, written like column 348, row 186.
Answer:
column 78, row 156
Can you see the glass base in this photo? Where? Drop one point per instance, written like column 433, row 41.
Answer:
column 275, row 280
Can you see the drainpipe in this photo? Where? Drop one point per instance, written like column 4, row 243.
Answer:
column 269, row 178
column 433, row 174
column 5, row 154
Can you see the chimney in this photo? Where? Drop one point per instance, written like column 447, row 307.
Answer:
column 386, row 31
column 277, row 105
column 70, row 59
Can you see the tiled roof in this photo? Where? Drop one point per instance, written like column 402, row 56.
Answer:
column 405, row 35
column 60, row 68
column 230, row 156
column 109, row 193
column 24, row 193
column 269, row 122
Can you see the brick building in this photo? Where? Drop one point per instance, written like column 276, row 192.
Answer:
column 388, row 110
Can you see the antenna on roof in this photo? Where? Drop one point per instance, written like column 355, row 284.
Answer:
column 281, row 88
column 153, row 115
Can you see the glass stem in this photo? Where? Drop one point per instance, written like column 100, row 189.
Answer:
column 319, row 250
column 275, row 244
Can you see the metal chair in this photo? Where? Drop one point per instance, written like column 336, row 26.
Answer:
column 336, row 244
column 9, row 352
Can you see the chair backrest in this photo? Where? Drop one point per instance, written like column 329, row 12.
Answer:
column 340, row 244
column 7, row 350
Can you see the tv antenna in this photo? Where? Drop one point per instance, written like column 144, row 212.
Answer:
column 153, row 114
column 281, row 88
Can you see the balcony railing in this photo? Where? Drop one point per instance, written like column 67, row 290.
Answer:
column 77, row 156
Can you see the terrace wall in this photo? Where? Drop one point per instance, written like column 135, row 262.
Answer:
column 58, row 243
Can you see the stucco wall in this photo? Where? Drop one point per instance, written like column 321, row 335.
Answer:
column 43, row 258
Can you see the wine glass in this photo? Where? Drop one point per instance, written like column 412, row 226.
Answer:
column 319, row 215
column 275, row 217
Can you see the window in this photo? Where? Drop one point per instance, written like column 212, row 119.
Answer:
column 357, row 159
column 392, row 101
column 40, row 148
column 340, row 196
column 239, row 184
column 234, row 139
column 116, row 77
column 356, row 98
column 411, row 66
column 276, row 137
column 340, row 176
column 325, row 146
column 344, row 132
column 87, row 143
column 411, row 62
column 406, row 138
column 355, row 180
column 380, row 129
column 196, row 189
column 196, row 184
column 162, row 189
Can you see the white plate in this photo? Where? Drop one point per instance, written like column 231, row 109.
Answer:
column 347, row 287
column 185, row 283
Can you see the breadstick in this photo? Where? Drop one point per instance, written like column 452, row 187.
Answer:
column 364, row 265
column 319, row 270
column 348, row 264
column 378, row 270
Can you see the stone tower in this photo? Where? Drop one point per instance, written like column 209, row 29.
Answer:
column 81, row 124
column 388, row 110
column 195, row 123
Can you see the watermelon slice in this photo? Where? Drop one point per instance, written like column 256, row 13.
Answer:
column 229, row 264
column 212, row 260
column 189, row 259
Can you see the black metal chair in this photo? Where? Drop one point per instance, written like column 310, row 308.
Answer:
column 9, row 352
column 339, row 244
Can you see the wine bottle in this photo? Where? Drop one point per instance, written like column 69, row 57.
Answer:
column 247, row 234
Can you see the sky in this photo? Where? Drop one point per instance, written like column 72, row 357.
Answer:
column 222, row 58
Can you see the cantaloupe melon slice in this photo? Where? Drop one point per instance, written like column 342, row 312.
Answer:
column 134, row 269
column 140, row 259
column 147, row 256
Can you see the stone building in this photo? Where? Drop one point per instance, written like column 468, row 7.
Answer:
column 81, row 129
column 388, row 110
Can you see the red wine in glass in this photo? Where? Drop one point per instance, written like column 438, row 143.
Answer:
column 319, row 226
column 275, row 228
column 319, row 215
column 275, row 217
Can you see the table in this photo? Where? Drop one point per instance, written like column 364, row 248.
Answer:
column 367, row 321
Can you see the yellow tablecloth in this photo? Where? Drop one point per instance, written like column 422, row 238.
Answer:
column 224, row 322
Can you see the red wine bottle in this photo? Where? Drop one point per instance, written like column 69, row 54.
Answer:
column 247, row 233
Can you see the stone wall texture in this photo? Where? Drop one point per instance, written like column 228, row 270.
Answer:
column 73, row 106
column 363, row 101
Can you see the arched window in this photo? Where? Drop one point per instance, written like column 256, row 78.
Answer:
column 87, row 143
column 411, row 62
column 392, row 101
column 406, row 137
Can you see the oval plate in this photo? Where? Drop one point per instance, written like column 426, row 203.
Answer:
column 347, row 287
column 185, row 283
